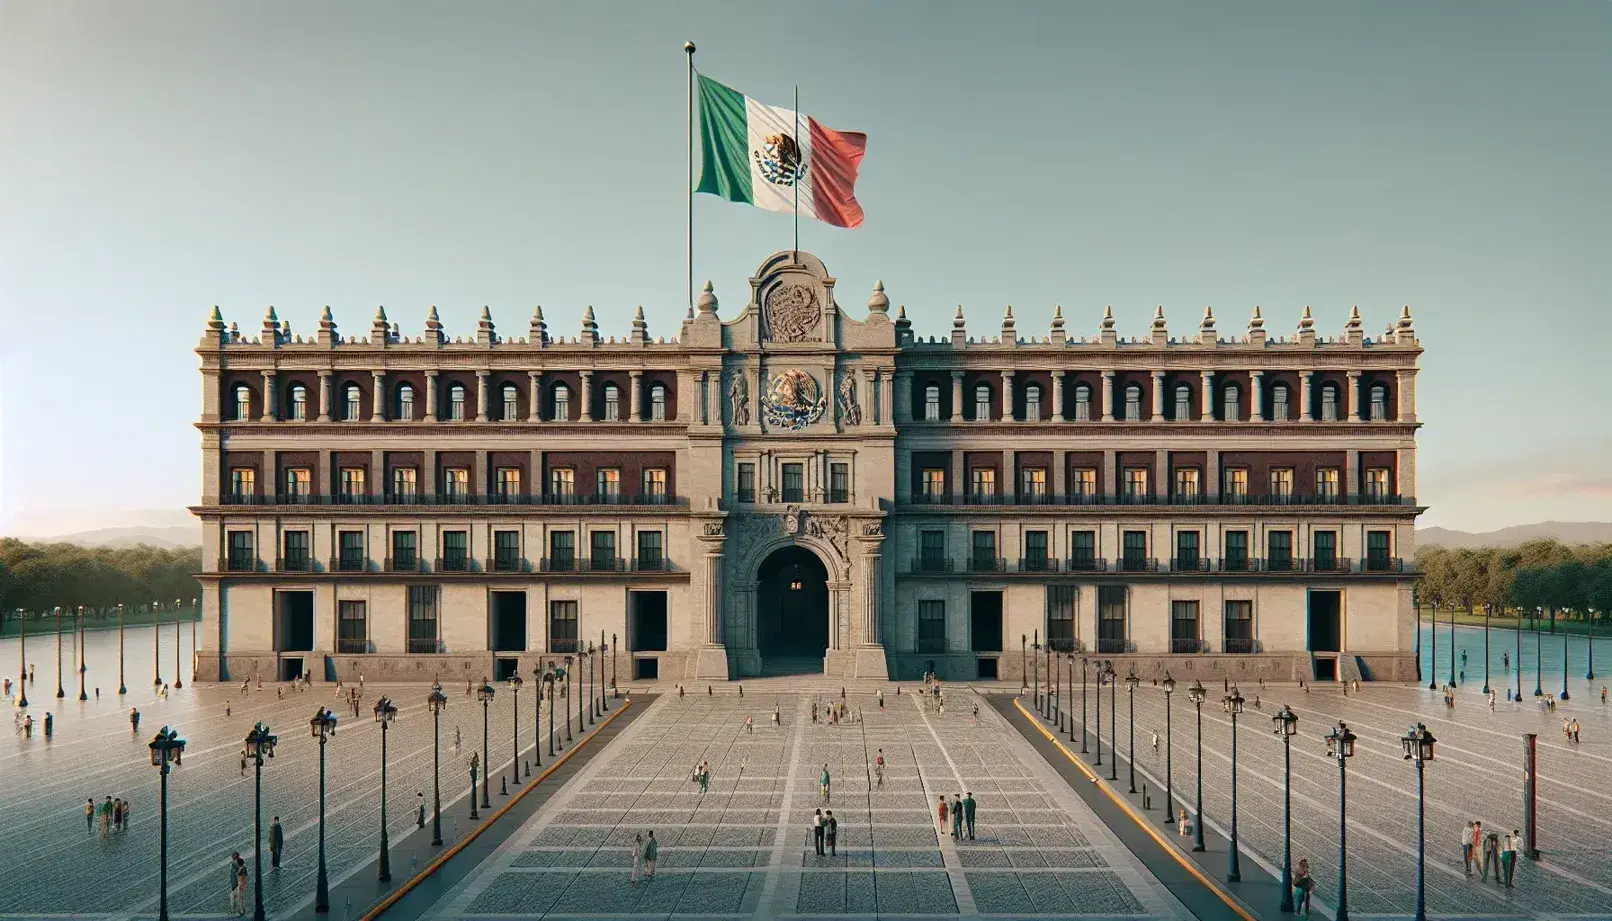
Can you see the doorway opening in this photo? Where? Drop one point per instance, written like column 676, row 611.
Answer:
column 1326, row 621
column 290, row 668
column 505, row 668
column 509, row 621
column 646, row 669
column 792, row 612
column 648, row 632
column 985, row 621
column 294, row 616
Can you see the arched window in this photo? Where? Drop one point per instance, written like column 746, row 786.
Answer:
column 405, row 403
column 657, row 403
column 243, row 403
column 1032, row 403
column 1379, row 402
column 1279, row 403
column 982, row 403
column 1183, row 403
column 299, row 403
column 562, row 403
column 1082, row 403
column 1232, row 398
column 1329, row 403
column 511, row 400
column 1133, row 402
column 456, row 403
column 350, row 396
column 932, row 403
column 612, row 402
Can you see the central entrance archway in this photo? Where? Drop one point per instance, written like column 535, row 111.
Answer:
column 792, row 612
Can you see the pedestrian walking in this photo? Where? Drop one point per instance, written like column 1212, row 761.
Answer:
column 817, row 831
column 749, row 726
column 243, row 762
column 878, row 769
column 637, row 856
column 968, row 812
column 814, row 711
column 419, row 799
column 1302, row 884
column 775, row 720
column 50, row 724
column 105, row 815
column 824, row 782
column 117, row 814
column 831, row 831
column 1466, row 847
column 1491, row 857
column 1508, row 855
column 1155, row 743
column 276, row 843
column 1575, row 730
column 456, row 740
column 957, row 816
column 89, row 815
column 940, row 812
column 705, row 779
column 240, row 885
column 651, row 851
column 1477, row 843
column 881, row 697
column 128, row 809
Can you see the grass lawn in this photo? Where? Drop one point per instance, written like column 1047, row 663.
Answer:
column 1563, row 625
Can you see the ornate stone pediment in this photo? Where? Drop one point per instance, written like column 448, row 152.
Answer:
column 792, row 311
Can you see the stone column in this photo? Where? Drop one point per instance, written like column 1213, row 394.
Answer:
column 1163, row 476
column 1158, row 397
column 1108, row 396
column 587, row 396
column 1211, row 474
column 957, row 396
column 1405, row 411
column 481, row 396
column 1354, row 396
column 1256, row 396
column 711, row 657
column 1207, row 412
column 269, row 414
column 1007, row 396
column 1304, row 396
column 872, row 590
column 635, row 405
column 705, row 399
column 534, row 403
column 1057, row 395
column 430, row 396
column 892, row 403
column 1010, row 483
column 324, row 396
column 377, row 399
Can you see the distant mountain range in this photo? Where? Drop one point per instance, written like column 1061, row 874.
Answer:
column 129, row 537
column 1568, row 532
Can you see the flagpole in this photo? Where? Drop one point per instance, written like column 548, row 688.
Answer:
column 799, row 147
column 689, row 48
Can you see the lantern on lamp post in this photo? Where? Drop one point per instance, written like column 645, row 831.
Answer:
column 1341, row 745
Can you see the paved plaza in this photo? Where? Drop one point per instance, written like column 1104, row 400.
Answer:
column 744, row 848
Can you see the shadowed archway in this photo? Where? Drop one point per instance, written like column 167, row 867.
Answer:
column 792, row 612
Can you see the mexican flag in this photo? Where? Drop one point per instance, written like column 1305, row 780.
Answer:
column 763, row 155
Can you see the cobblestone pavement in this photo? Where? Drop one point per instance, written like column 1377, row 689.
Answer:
column 50, row 863
column 1477, row 774
column 744, row 848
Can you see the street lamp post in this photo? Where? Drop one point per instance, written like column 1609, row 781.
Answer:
column 1518, row 663
column 515, row 733
column 437, row 701
column 1287, row 725
column 1035, row 671
column 1452, row 646
column 1196, row 694
column 1057, row 693
column 179, row 675
column 1084, row 668
column 385, row 713
column 584, row 697
column 1418, row 744
column 475, row 762
column 1131, row 681
column 1113, row 721
column 1539, row 656
column 322, row 727
column 1052, row 684
column 59, row 692
column 122, row 688
column 485, row 695
column 565, row 673
column 259, row 745
column 1071, row 660
column 156, row 643
column 165, row 748
column 82, row 667
column 604, row 698
column 195, row 606
column 1488, row 612
column 1432, row 643
column 1341, row 745
column 1024, row 664
column 22, row 658
column 537, row 717
column 1564, row 694
column 1097, row 709
column 1233, row 704
column 1589, row 675
column 1169, row 752
column 614, row 690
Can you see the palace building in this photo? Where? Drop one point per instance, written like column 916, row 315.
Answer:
column 803, row 488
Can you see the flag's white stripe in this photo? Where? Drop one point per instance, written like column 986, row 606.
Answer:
column 763, row 121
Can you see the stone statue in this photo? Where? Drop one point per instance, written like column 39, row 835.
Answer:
column 849, row 410
column 739, row 399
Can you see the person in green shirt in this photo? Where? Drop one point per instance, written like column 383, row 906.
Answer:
column 823, row 782
column 651, row 851
column 968, row 813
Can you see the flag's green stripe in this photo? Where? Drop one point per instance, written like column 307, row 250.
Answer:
column 724, row 143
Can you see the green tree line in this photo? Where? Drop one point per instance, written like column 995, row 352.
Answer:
column 1574, row 582
column 37, row 577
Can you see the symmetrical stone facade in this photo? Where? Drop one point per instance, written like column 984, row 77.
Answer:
column 425, row 507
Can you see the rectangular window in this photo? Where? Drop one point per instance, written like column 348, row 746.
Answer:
column 1083, row 483
column 242, row 482
column 1135, row 550
column 404, row 544
column 1083, row 551
column 982, row 482
column 1186, row 551
column 1239, row 626
column 747, row 482
column 241, row 558
column 650, row 558
column 1377, row 483
column 1236, row 555
column 934, row 482
column 456, row 551
column 654, row 485
column 1136, row 483
column 1279, row 550
column 1061, row 617
column 563, row 627
column 1035, row 552
column 1281, row 482
column 1186, row 484
column 931, row 626
column 1236, row 486
column 983, row 555
column 423, row 619
column 1326, row 484
column 1184, row 627
column 931, row 551
column 1033, row 488
column 404, row 483
column 295, row 556
column 352, row 551
column 794, row 483
column 1377, row 554
column 602, row 551
column 352, row 483
column 932, row 404
column 562, row 483
column 508, row 482
column 1325, row 547
column 562, row 551
column 657, row 403
column 562, row 404
column 350, row 407
column 352, row 627
column 456, row 482
column 511, row 405
column 608, row 482
column 299, row 483
column 839, row 482
column 1111, row 636
column 506, row 551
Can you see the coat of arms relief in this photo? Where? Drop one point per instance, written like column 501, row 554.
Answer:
column 792, row 311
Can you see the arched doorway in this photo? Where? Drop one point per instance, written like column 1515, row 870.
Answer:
column 792, row 612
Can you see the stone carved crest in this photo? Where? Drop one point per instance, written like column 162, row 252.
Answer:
column 753, row 531
column 792, row 312
column 792, row 520
column 873, row 529
column 793, row 400
column 712, row 529
column 849, row 410
column 834, row 530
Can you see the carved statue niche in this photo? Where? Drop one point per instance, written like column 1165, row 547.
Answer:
column 739, row 399
column 849, row 410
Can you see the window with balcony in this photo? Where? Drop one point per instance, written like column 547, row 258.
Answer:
column 650, row 552
column 352, row 484
column 456, row 551
column 352, row 551
column 1235, row 558
column 299, row 483
column 931, row 626
column 654, row 484
column 1082, row 403
column 1282, row 482
column 602, row 550
column 1032, row 402
column 1377, row 551
column 982, row 483
column 1060, row 631
column 608, row 482
column 506, row 551
column 562, row 550
column 1186, row 551
column 839, row 482
column 1324, row 547
column 1279, row 551
column 747, row 482
column 1135, row 557
column 405, row 550
column 1239, row 627
column 456, row 403
column 1231, row 403
column 404, row 408
column 934, row 482
column 1379, row 403
column 657, row 403
column 423, row 635
column 1235, row 488
column 1326, row 484
column 612, row 402
column 563, row 624
column 510, row 398
column 507, row 483
column 1083, row 550
column 350, row 403
column 562, row 403
column 931, row 551
column 1035, row 552
column 1083, row 483
column 1329, row 403
column 1183, row 627
column 1033, row 485
column 242, row 482
column 243, row 403
column 1133, row 402
column 456, row 482
column 1111, row 634
column 352, row 627
column 295, row 555
column 982, row 557
column 299, row 403
column 982, row 403
column 932, row 403
column 1183, row 403
column 241, row 557
column 1279, row 403
column 562, row 483
column 1186, row 484
column 404, row 483
column 794, row 482
column 1377, row 483
column 1136, row 483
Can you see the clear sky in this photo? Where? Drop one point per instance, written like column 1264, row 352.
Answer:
column 159, row 158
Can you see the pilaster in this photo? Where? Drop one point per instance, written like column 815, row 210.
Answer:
column 270, row 409
column 711, row 659
column 1304, row 396
column 587, row 396
column 534, row 402
column 1353, row 390
column 1057, row 395
column 377, row 398
column 1406, row 394
column 1108, row 396
column 1206, row 411
column 635, row 406
column 1158, row 397
column 1256, row 396
column 324, row 396
column 431, row 396
column 481, row 396
column 957, row 396
column 1007, row 396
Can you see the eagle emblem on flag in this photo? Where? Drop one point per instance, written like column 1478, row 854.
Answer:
column 779, row 160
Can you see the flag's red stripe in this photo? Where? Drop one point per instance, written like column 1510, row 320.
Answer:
column 835, row 158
